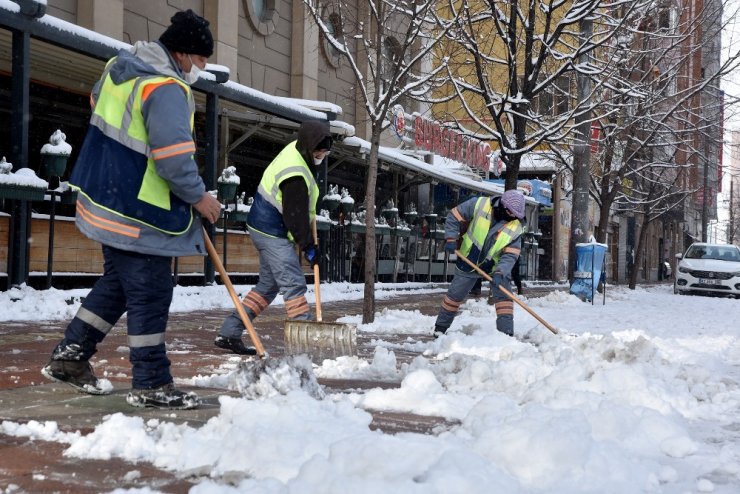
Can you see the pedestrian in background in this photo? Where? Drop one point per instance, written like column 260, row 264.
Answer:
column 280, row 218
column 492, row 240
column 138, row 187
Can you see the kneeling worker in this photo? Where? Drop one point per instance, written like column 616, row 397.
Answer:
column 491, row 231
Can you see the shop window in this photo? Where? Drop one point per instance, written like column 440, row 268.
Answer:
column 334, row 26
column 562, row 94
column 262, row 14
column 543, row 102
column 392, row 54
column 664, row 19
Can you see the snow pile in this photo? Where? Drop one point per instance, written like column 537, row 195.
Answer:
column 643, row 395
column 269, row 377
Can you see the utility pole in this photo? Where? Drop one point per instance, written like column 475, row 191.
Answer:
column 704, row 195
column 731, row 225
column 581, row 153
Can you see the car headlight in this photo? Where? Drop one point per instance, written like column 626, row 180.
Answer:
column 682, row 269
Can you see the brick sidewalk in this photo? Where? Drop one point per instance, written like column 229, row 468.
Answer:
column 38, row 466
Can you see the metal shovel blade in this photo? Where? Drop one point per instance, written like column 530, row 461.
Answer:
column 320, row 340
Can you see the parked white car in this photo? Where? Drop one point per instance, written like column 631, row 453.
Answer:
column 709, row 269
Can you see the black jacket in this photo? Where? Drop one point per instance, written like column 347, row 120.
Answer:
column 295, row 193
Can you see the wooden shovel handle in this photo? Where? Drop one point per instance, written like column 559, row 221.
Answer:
column 237, row 303
column 316, row 277
column 506, row 292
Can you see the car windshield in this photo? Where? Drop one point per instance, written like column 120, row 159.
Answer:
column 720, row 253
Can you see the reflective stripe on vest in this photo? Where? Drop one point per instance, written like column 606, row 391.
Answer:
column 289, row 163
column 478, row 232
column 117, row 114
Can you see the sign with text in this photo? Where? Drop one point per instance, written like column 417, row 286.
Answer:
column 449, row 143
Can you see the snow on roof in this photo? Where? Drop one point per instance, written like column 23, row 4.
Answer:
column 343, row 128
column 537, row 161
column 446, row 175
column 275, row 100
column 322, row 106
column 306, row 107
column 455, row 166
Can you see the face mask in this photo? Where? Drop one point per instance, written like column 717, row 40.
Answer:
column 318, row 161
column 192, row 76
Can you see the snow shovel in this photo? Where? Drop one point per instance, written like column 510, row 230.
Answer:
column 237, row 303
column 506, row 292
column 302, row 335
column 265, row 377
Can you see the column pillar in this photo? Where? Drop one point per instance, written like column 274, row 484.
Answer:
column 304, row 72
column 224, row 18
column 102, row 16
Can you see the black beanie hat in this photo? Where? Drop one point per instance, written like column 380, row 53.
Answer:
column 189, row 34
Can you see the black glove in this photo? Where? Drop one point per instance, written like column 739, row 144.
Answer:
column 499, row 280
column 312, row 255
column 450, row 246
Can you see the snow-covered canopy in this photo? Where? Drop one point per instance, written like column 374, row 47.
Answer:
column 300, row 107
column 446, row 174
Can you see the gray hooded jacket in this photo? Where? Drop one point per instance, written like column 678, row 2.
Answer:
column 166, row 112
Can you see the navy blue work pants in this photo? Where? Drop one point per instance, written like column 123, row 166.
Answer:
column 141, row 286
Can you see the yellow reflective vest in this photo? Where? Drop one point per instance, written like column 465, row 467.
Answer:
column 480, row 225
column 126, row 181
column 289, row 163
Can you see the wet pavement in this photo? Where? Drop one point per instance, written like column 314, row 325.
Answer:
column 39, row 466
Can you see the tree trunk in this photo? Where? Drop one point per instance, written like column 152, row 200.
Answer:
column 639, row 249
column 368, row 306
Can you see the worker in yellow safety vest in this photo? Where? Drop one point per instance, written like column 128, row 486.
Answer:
column 279, row 219
column 491, row 229
column 141, row 197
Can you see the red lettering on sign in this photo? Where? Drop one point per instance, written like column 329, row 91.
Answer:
column 428, row 135
column 485, row 156
column 453, row 147
column 418, row 132
column 448, row 143
column 444, row 147
column 595, row 134
column 436, row 139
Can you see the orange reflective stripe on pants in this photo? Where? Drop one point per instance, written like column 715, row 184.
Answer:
column 255, row 302
column 504, row 307
column 296, row 307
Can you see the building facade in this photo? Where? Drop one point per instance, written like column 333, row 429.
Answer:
column 281, row 72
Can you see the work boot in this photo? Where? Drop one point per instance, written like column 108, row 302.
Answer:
column 76, row 373
column 166, row 397
column 439, row 331
column 236, row 345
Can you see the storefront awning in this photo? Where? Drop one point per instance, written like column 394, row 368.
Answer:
column 435, row 173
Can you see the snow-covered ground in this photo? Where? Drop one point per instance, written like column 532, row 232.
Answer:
column 639, row 395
